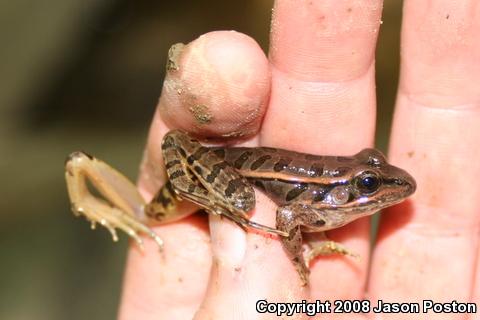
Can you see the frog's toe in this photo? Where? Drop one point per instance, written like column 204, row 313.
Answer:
column 326, row 247
column 113, row 218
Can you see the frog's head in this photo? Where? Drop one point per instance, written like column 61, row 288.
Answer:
column 375, row 179
column 372, row 184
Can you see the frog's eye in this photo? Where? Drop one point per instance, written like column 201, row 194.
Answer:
column 368, row 182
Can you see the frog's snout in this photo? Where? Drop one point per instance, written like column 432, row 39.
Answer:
column 405, row 180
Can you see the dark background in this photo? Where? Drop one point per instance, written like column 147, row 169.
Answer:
column 86, row 75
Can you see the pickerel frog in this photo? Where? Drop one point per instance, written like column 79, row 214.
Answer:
column 313, row 193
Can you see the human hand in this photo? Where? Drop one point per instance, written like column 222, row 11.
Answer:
column 317, row 95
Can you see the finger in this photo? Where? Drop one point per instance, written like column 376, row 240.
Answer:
column 246, row 269
column 242, row 261
column 207, row 92
column 221, row 88
column 427, row 248
column 323, row 102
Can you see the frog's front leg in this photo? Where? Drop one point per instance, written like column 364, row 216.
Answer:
column 295, row 218
column 320, row 245
column 122, row 206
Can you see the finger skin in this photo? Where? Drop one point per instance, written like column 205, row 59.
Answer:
column 221, row 88
column 323, row 102
column 429, row 251
column 262, row 272
column 172, row 285
column 329, row 41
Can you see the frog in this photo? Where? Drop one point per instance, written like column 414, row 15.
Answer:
column 314, row 193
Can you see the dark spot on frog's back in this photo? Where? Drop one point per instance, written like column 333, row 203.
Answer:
column 216, row 169
column 242, row 159
column 172, row 163
column 198, row 170
column 259, row 162
column 233, row 185
column 169, row 187
column 316, row 170
column 182, row 152
column 161, row 198
column 190, row 159
column 296, row 191
column 281, row 164
column 197, row 155
column 167, row 143
column 176, row 174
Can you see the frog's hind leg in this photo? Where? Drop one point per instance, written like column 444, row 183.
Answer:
column 163, row 206
column 185, row 185
column 200, row 175
column 121, row 206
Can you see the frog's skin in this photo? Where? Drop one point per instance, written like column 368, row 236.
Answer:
column 314, row 193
